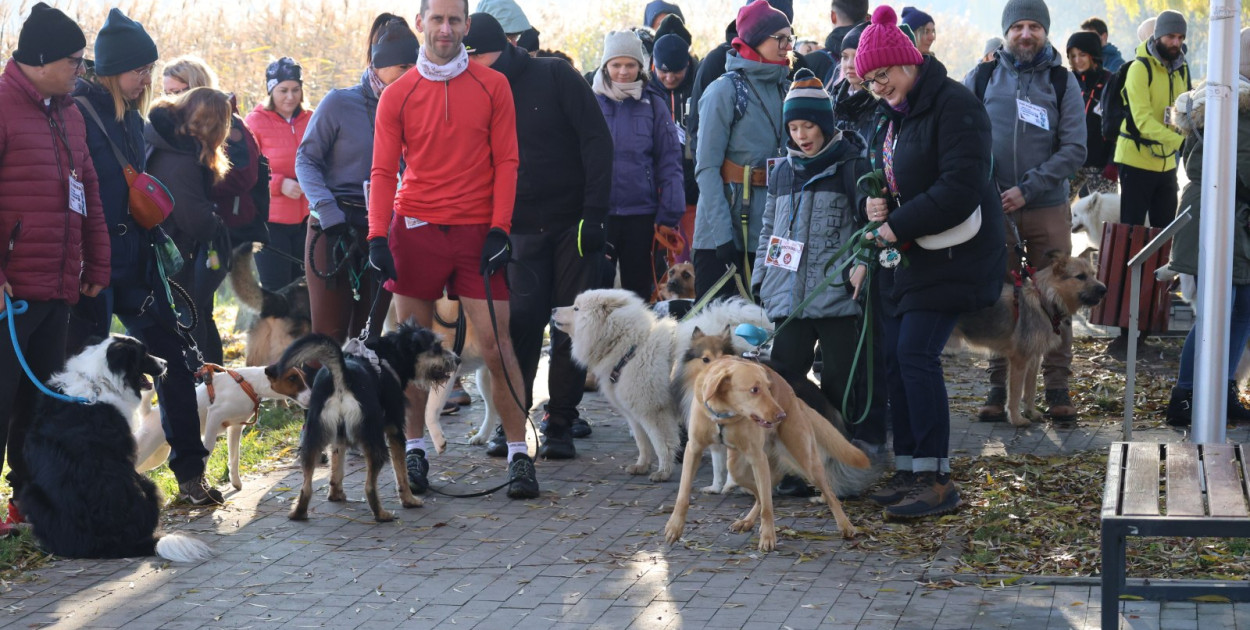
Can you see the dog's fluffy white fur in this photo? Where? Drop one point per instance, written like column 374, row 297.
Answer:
column 1090, row 212
column 605, row 324
column 230, row 409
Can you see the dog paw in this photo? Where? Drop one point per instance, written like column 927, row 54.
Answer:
column 238, row 484
column 440, row 446
column 637, row 469
column 336, row 495
column 1033, row 415
column 1018, row 420
column 768, row 540
column 712, row 489
column 478, row 438
column 661, row 475
column 414, row 502
column 383, row 517
column 741, row 525
column 298, row 515
column 729, row 486
column 673, row 532
column 849, row 532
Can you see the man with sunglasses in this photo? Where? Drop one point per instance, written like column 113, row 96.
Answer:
column 55, row 244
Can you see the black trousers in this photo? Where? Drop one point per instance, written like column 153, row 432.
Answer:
column 1147, row 193
column 41, row 332
column 549, row 274
column 708, row 269
column 277, row 271
column 631, row 238
column 201, row 281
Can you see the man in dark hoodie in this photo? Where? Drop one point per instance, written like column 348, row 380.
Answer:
column 563, row 184
column 673, row 69
column 845, row 15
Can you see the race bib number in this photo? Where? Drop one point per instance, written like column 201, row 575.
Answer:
column 1033, row 114
column 77, row 197
column 413, row 222
column 783, row 253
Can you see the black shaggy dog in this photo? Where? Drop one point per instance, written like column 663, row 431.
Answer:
column 358, row 401
column 83, row 496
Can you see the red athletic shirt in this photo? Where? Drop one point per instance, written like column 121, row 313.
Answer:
column 458, row 141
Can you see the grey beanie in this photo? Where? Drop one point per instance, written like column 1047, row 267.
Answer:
column 623, row 44
column 992, row 44
column 1169, row 22
column 1017, row 10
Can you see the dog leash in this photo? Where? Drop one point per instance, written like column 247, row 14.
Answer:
column 712, row 291
column 11, row 311
column 205, row 374
column 673, row 244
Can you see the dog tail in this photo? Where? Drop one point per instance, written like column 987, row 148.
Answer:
column 182, row 548
column 727, row 313
column 243, row 278
column 319, row 349
column 832, row 442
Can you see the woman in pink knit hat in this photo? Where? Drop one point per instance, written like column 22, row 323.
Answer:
column 932, row 140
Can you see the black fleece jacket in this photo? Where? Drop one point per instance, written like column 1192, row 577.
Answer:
column 566, row 151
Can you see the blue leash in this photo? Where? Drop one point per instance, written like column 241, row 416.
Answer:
column 11, row 311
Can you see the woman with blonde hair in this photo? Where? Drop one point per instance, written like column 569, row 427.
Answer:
column 186, row 72
column 187, row 136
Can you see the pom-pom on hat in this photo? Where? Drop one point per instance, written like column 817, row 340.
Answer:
column 808, row 100
column 883, row 44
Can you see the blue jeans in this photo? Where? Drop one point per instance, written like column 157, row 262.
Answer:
column 1238, row 334
column 921, row 416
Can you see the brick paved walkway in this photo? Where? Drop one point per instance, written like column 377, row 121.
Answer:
column 588, row 554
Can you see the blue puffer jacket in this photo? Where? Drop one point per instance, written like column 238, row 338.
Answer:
column 647, row 177
column 132, row 254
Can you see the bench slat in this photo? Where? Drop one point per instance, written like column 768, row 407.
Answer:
column 1141, row 482
column 1223, row 481
column 1115, row 471
column 1184, row 495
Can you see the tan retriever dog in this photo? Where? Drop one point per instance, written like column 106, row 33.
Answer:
column 769, row 432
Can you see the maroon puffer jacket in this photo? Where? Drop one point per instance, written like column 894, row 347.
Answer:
column 47, row 248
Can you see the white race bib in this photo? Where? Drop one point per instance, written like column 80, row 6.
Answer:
column 1033, row 114
column 783, row 253
column 77, row 197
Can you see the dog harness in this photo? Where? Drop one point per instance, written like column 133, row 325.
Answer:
column 357, row 347
column 620, row 365
column 205, row 374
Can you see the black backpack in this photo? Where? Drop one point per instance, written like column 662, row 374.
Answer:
column 1058, row 80
column 1117, row 114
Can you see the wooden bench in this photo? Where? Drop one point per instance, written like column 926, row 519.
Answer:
column 1201, row 489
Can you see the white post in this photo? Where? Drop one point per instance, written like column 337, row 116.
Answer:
column 1215, row 259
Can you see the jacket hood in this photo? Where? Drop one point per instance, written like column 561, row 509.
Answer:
column 755, row 69
column 511, row 63
column 161, row 134
column 1146, row 49
column 1191, row 107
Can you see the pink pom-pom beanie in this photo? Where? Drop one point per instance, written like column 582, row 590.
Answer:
column 883, row 44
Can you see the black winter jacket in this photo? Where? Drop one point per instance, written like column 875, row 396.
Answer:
column 1098, row 151
column 566, row 150
column 676, row 101
column 855, row 112
column 942, row 162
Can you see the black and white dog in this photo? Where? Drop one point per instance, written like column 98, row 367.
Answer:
column 83, row 497
column 359, row 400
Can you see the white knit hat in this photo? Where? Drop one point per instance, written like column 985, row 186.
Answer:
column 623, row 44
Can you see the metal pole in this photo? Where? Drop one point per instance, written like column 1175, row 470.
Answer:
column 1215, row 232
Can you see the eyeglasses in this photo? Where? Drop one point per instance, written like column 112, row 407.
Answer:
column 78, row 62
column 782, row 40
column 881, row 78
column 176, row 91
column 145, row 71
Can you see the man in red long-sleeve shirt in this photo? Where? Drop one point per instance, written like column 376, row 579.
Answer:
column 454, row 125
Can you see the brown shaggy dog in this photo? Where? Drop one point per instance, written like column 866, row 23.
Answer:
column 1053, row 295
column 678, row 282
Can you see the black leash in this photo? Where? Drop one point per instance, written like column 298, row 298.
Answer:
column 281, row 254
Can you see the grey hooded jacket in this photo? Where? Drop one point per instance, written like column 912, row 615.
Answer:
column 335, row 155
column 759, row 135
column 1037, row 160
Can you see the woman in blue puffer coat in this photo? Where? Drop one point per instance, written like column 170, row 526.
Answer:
column 647, row 178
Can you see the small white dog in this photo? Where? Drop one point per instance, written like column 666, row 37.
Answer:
column 230, row 408
column 1091, row 211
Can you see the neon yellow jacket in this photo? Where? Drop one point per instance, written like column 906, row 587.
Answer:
column 1149, row 93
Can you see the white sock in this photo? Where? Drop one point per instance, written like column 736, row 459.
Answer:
column 517, row 447
column 417, row 443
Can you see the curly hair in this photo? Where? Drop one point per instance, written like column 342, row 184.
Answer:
column 203, row 113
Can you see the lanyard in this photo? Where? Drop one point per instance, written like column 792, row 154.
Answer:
column 776, row 128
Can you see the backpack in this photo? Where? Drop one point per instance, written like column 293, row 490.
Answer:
column 1117, row 114
column 1058, row 80
column 741, row 96
column 256, row 229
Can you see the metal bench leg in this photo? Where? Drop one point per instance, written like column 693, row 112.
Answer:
column 1112, row 574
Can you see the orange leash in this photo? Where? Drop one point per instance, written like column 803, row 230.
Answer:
column 673, row 243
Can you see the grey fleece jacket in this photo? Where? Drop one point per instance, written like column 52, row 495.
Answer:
column 1037, row 160
column 335, row 155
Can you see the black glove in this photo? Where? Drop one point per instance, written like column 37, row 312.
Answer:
column 380, row 258
column 729, row 254
column 496, row 252
column 334, row 231
column 591, row 238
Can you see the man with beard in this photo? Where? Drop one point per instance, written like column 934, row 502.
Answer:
column 1148, row 158
column 1039, row 142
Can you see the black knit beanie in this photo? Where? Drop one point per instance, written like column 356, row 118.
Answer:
column 48, row 35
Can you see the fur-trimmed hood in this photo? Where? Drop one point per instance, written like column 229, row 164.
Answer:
column 1191, row 106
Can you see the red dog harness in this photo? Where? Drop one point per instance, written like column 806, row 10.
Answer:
column 205, row 374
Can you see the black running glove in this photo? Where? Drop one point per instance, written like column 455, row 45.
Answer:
column 496, row 252
column 334, row 231
column 729, row 254
column 590, row 238
column 380, row 258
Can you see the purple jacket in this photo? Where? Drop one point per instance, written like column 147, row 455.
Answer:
column 646, row 176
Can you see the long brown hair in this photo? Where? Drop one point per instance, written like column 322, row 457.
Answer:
column 204, row 114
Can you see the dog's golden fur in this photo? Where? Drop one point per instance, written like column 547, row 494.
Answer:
column 678, row 282
column 1053, row 294
column 278, row 317
column 768, row 432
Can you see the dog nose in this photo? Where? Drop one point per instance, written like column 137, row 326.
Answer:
column 781, row 415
